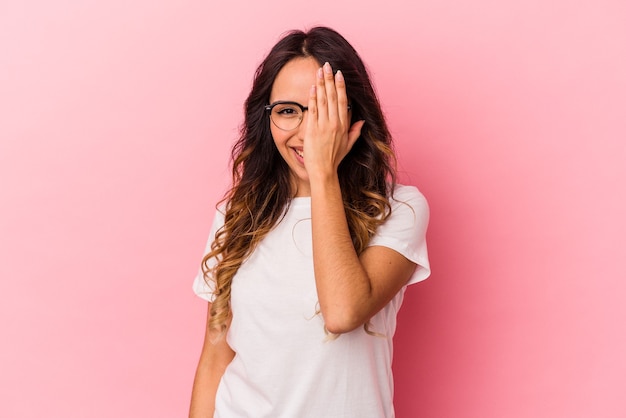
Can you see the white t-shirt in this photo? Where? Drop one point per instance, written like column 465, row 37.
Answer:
column 285, row 366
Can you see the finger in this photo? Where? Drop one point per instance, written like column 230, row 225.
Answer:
column 355, row 132
column 342, row 99
column 322, row 103
column 331, row 91
column 312, row 119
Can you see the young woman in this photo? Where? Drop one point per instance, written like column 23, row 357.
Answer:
column 312, row 248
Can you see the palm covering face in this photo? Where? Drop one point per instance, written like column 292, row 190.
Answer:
column 328, row 136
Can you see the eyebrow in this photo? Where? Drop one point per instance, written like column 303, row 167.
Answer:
column 287, row 101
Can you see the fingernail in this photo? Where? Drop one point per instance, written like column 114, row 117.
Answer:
column 339, row 75
column 320, row 74
column 312, row 91
column 327, row 68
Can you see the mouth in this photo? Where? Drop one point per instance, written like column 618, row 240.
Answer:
column 299, row 152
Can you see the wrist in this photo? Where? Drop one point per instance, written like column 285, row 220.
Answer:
column 321, row 181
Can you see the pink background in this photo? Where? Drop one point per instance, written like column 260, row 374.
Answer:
column 116, row 120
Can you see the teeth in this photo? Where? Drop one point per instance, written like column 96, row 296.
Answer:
column 300, row 153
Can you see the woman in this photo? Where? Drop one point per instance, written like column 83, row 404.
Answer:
column 312, row 248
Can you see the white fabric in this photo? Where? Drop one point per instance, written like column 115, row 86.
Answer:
column 285, row 366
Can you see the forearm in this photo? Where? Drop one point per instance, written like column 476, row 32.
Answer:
column 343, row 286
column 204, row 390
column 214, row 359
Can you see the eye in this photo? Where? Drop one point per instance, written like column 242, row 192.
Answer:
column 287, row 111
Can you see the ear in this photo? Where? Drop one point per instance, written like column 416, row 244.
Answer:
column 354, row 132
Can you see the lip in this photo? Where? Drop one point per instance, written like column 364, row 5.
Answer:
column 297, row 156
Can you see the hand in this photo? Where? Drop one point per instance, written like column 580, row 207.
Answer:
column 328, row 136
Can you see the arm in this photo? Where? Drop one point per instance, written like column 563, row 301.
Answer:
column 213, row 361
column 351, row 288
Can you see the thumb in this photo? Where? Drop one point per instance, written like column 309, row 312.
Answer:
column 354, row 132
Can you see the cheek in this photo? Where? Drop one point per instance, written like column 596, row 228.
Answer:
column 278, row 136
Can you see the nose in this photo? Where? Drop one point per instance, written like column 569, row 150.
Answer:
column 302, row 126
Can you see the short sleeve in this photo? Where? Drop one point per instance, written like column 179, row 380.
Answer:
column 405, row 229
column 200, row 287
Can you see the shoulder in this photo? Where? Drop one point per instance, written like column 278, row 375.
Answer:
column 220, row 209
column 220, row 214
column 403, row 192
column 410, row 201
column 404, row 230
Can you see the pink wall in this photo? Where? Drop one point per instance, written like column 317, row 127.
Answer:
column 116, row 119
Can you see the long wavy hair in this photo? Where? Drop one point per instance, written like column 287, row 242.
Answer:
column 261, row 180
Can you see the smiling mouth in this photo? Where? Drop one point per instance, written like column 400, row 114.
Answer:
column 299, row 152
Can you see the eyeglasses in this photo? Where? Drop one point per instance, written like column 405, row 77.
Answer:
column 287, row 116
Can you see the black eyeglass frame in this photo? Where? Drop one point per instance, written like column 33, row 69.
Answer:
column 269, row 107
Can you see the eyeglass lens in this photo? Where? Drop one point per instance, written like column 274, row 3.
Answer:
column 286, row 116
